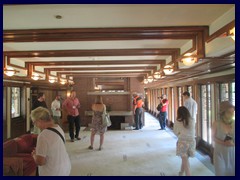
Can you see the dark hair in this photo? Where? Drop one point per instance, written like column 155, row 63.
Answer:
column 40, row 94
column 186, row 93
column 183, row 115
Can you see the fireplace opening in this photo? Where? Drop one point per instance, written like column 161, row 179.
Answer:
column 116, row 122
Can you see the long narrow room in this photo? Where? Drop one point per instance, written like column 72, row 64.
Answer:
column 117, row 55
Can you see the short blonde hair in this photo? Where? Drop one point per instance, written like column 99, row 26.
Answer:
column 41, row 113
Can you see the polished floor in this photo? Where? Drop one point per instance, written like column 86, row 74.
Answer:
column 147, row 152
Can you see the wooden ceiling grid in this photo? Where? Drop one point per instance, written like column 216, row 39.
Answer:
column 198, row 34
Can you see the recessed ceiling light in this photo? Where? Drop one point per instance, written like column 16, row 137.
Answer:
column 58, row 17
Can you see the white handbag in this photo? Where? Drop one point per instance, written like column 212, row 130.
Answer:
column 106, row 118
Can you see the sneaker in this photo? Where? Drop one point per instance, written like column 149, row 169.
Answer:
column 90, row 147
column 100, row 149
column 78, row 138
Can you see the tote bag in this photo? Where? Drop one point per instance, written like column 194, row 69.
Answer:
column 106, row 118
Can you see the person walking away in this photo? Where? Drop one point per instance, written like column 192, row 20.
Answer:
column 191, row 105
column 138, row 111
column 56, row 110
column 223, row 135
column 71, row 104
column 184, row 128
column 50, row 154
column 98, row 109
column 163, row 112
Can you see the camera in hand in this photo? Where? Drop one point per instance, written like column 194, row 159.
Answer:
column 228, row 137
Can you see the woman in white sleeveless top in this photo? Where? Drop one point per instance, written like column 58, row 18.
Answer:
column 223, row 133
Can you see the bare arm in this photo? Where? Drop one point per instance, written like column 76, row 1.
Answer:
column 39, row 160
column 219, row 141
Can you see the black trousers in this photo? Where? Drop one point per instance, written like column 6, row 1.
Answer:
column 138, row 118
column 74, row 120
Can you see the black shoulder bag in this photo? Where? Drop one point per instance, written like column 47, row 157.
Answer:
column 56, row 131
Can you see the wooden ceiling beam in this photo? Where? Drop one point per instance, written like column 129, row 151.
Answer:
column 110, row 62
column 99, row 68
column 102, row 34
column 93, row 53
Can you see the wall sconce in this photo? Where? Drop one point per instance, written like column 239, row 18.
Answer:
column 189, row 61
column 157, row 75
column 10, row 71
column 168, row 69
column 232, row 33
column 36, row 77
column 150, row 79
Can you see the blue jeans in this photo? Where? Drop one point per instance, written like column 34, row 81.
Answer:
column 162, row 119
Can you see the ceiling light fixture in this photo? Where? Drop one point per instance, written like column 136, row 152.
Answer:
column 71, row 82
column 189, row 61
column 150, row 79
column 145, row 81
column 63, row 82
column 36, row 77
column 232, row 33
column 157, row 75
column 168, row 69
column 10, row 71
column 52, row 80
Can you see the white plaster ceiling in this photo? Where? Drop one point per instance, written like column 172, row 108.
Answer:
column 112, row 16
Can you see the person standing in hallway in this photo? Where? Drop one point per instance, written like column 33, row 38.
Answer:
column 186, row 144
column 163, row 112
column 97, row 122
column 40, row 102
column 72, row 104
column 223, row 135
column 50, row 154
column 56, row 110
column 190, row 104
column 138, row 111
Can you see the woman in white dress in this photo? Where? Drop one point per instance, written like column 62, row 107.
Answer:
column 184, row 128
column 223, row 134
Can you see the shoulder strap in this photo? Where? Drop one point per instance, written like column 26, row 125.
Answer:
column 104, row 108
column 56, row 131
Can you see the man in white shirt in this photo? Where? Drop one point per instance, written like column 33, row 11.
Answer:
column 56, row 110
column 190, row 104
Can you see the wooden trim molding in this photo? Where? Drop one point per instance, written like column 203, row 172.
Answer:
column 224, row 30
